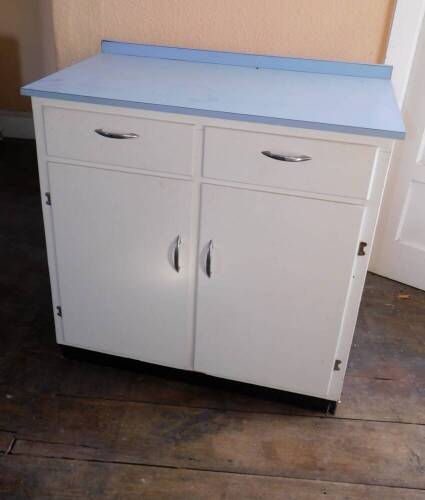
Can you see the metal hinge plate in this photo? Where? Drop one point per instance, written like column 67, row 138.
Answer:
column 362, row 246
column 48, row 198
column 337, row 365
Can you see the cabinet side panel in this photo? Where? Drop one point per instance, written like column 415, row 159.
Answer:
column 47, row 213
column 360, row 267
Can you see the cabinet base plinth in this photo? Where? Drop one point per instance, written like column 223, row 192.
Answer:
column 290, row 401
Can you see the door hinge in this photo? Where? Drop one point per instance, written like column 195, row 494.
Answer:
column 337, row 365
column 59, row 311
column 362, row 246
column 48, row 198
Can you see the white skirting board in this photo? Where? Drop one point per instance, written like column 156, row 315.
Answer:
column 17, row 124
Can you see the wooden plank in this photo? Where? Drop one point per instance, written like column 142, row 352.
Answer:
column 292, row 446
column 6, row 440
column 370, row 389
column 366, row 398
column 53, row 478
column 384, row 400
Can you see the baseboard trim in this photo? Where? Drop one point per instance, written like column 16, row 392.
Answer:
column 17, row 124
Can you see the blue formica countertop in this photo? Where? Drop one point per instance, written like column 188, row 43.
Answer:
column 313, row 94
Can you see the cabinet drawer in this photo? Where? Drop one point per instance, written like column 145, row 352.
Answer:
column 150, row 144
column 335, row 168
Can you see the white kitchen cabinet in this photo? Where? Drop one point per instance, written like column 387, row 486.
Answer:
column 205, row 215
column 115, row 237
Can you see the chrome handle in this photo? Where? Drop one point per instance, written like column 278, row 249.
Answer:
column 176, row 255
column 286, row 157
column 208, row 263
column 116, row 135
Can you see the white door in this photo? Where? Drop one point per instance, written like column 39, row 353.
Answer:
column 115, row 236
column 399, row 249
column 271, row 311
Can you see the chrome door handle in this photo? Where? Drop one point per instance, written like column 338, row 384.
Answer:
column 176, row 255
column 116, row 135
column 208, row 263
column 286, row 157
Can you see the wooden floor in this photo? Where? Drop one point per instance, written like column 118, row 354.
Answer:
column 77, row 429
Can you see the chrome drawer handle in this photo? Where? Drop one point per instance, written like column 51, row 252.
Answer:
column 208, row 264
column 287, row 157
column 176, row 256
column 116, row 135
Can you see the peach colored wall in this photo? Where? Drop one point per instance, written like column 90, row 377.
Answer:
column 26, row 48
column 354, row 30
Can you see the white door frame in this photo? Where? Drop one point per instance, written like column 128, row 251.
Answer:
column 406, row 26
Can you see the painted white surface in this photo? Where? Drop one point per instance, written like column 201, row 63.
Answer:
column 71, row 134
column 412, row 227
column 47, row 214
column 405, row 30
column 359, row 272
column 334, row 168
column 110, row 215
column 115, row 234
column 272, row 310
column 399, row 251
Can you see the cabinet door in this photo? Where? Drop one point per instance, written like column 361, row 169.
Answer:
column 271, row 311
column 115, row 236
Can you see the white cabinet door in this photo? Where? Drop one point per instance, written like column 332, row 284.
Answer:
column 281, row 266
column 115, row 235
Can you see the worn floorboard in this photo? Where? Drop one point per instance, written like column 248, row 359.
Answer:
column 82, row 429
column 27, row 477
column 6, row 441
column 369, row 396
column 280, row 445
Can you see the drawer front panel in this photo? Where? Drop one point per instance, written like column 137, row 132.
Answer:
column 335, row 168
column 150, row 144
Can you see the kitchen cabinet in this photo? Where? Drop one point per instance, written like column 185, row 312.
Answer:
column 200, row 213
